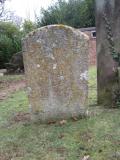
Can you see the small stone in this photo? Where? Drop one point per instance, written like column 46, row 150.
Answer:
column 54, row 66
column 62, row 122
column 61, row 77
column 84, row 76
column 116, row 155
column 38, row 65
column 86, row 157
column 1, row 74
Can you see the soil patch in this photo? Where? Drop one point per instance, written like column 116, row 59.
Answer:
column 6, row 88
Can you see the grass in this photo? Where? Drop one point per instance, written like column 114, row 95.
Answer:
column 4, row 80
column 92, row 86
column 11, row 78
column 16, row 103
column 97, row 136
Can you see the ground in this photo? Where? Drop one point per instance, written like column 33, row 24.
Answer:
column 97, row 136
column 10, row 84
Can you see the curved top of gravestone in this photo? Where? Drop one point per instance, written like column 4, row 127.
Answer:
column 56, row 27
column 54, row 35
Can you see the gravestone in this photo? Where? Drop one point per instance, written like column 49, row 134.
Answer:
column 56, row 67
column 15, row 64
column 108, row 44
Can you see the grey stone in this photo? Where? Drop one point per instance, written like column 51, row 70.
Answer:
column 15, row 64
column 56, row 68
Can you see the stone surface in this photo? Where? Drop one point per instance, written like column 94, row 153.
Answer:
column 56, row 67
column 15, row 64
column 107, row 10
column 3, row 71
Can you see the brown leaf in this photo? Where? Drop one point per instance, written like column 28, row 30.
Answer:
column 61, row 136
column 51, row 122
column 74, row 118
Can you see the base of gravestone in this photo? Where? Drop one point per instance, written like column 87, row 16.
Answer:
column 46, row 118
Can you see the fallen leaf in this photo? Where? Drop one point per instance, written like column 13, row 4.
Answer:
column 74, row 118
column 51, row 122
column 61, row 136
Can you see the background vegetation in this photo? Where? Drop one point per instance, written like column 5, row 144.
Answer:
column 75, row 13
column 10, row 41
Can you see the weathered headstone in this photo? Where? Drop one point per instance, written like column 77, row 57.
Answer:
column 56, row 66
column 15, row 64
column 108, row 47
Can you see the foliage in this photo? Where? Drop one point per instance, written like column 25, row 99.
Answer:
column 10, row 41
column 28, row 26
column 76, row 13
column 116, row 57
column 115, row 54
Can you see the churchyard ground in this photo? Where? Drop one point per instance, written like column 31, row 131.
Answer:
column 97, row 136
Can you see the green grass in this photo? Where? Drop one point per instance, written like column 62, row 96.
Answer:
column 97, row 136
column 16, row 103
column 92, row 86
column 11, row 78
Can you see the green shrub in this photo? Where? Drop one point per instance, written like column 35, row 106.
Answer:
column 75, row 13
column 10, row 41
